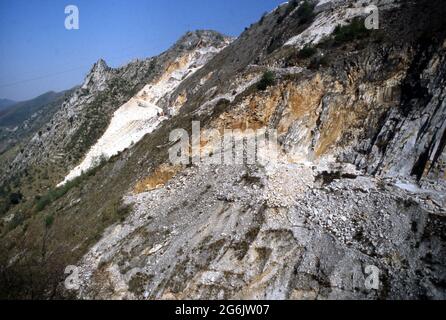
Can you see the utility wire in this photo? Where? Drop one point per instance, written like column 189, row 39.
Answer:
column 50, row 75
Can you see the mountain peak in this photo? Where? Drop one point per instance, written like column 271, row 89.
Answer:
column 97, row 75
column 100, row 65
column 317, row 148
column 192, row 39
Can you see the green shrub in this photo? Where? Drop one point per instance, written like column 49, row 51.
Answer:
column 4, row 206
column 116, row 210
column 307, row 52
column 268, row 79
column 289, row 8
column 318, row 62
column 49, row 220
column 354, row 31
column 43, row 202
column 54, row 194
column 15, row 197
column 16, row 221
column 305, row 12
column 123, row 210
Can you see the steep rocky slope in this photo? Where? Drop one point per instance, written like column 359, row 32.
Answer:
column 144, row 112
column 75, row 131
column 359, row 179
column 86, row 114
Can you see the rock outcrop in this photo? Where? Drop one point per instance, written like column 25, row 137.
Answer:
column 310, row 226
column 351, row 207
column 87, row 113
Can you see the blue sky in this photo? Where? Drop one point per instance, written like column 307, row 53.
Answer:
column 37, row 53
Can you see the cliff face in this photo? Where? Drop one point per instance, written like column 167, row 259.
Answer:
column 358, row 181
column 144, row 111
column 87, row 113
column 358, row 131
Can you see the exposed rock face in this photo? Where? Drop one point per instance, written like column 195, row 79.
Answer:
column 85, row 116
column 82, row 117
column 358, row 185
column 273, row 233
column 300, row 231
column 417, row 145
column 144, row 111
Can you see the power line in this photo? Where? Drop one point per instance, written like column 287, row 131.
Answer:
column 63, row 72
column 40, row 77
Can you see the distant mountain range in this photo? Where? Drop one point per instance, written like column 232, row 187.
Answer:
column 14, row 113
column 19, row 120
column 5, row 103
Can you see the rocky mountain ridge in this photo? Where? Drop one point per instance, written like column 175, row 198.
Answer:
column 86, row 114
column 359, row 182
